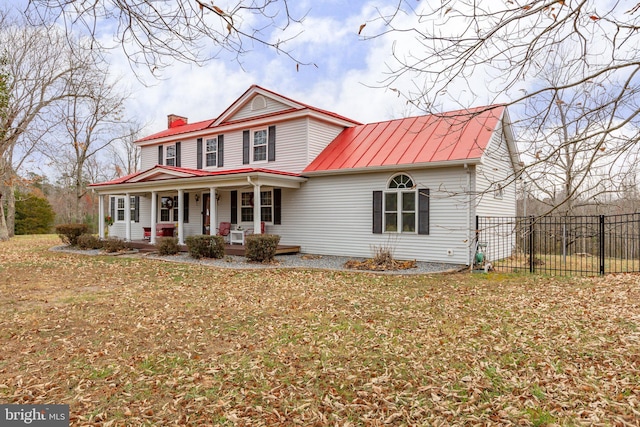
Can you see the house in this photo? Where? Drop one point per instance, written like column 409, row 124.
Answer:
column 320, row 180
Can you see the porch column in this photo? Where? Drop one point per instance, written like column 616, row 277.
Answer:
column 101, row 216
column 127, row 217
column 154, row 209
column 180, row 217
column 213, row 214
column 256, row 209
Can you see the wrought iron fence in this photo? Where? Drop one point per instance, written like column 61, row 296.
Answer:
column 569, row 245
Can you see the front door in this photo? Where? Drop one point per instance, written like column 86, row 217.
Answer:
column 206, row 219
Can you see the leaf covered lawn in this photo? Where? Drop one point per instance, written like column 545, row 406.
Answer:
column 132, row 341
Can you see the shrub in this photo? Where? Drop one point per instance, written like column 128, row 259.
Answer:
column 114, row 244
column 261, row 247
column 167, row 246
column 34, row 215
column 205, row 246
column 69, row 233
column 89, row 241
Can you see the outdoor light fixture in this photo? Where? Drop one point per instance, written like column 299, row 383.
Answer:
column 197, row 197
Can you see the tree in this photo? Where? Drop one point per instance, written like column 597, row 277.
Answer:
column 155, row 33
column 34, row 214
column 89, row 121
column 37, row 65
column 452, row 51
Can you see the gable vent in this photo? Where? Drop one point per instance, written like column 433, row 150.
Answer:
column 259, row 103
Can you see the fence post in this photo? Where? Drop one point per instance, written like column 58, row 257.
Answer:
column 601, row 245
column 531, row 246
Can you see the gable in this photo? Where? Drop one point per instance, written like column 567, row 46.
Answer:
column 256, row 106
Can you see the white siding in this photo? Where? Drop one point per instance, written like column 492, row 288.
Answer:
column 247, row 111
column 320, row 134
column 148, row 157
column 333, row 216
column 496, row 169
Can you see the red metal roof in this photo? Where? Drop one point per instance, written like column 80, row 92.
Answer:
column 178, row 130
column 456, row 135
column 195, row 173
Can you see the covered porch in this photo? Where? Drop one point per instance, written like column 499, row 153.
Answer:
column 168, row 201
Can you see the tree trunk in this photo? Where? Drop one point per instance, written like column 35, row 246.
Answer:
column 11, row 211
column 4, row 233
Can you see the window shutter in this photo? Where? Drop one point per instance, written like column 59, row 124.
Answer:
column 220, row 151
column 136, row 209
column 199, row 153
column 245, row 147
column 178, row 156
column 277, row 206
column 423, row 211
column 112, row 209
column 377, row 212
column 271, row 145
column 185, row 209
column 160, row 153
column 234, row 207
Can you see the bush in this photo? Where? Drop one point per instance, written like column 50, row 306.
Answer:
column 69, row 233
column 205, row 246
column 261, row 247
column 114, row 244
column 34, row 215
column 89, row 241
column 167, row 246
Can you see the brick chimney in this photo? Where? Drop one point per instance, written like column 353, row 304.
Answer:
column 173, row 120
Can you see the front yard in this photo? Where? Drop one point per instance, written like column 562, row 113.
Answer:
column 131, row 341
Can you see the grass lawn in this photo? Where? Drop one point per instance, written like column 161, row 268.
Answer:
column 131, row 341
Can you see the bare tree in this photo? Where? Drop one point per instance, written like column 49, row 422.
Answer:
column 89, row 122
column 155, row 33
column 37, row 64
column 125, row 153
column 448, row 50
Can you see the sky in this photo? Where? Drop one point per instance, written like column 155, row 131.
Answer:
column 345, row 75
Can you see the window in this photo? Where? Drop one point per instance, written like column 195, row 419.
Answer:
column 120, row 209
column 166, row 208
column 400, row 205
column 171, row 155
column 266, row 206
column 212, row 152
column 260, row 145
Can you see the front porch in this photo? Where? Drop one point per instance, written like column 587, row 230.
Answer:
column 237, row 250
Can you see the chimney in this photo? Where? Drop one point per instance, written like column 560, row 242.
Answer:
column 173, row 120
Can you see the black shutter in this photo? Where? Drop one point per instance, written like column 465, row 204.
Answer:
column 185, row 209
column 245, row 147
column 220, row 151
column 277, row 206
column 199, row 153
column 234, row 207
column 136, row 208
column 178, row 156
column 112, row 209
column 377, row 212
column 271, row 146
column 160, row 153
column 423, row 211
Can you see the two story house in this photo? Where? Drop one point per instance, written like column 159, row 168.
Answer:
column 322, row 181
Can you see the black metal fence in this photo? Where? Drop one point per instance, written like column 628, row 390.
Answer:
column 569, row 245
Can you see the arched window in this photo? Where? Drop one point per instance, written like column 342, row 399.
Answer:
column 402, row 207
column 258, row 103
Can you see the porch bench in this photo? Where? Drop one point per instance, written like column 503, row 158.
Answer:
column 164, row 230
